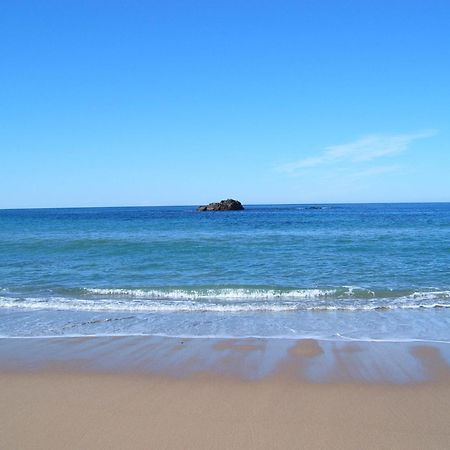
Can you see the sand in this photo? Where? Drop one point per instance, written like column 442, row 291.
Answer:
column 61, row 406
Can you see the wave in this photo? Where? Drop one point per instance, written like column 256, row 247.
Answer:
column 233, row 293
column 239, row 299
column 217, row 306
column 213, row 293
column 263, row 293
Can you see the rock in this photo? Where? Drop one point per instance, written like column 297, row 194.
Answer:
column 224, row 205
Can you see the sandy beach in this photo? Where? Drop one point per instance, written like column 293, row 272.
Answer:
column 49, row 403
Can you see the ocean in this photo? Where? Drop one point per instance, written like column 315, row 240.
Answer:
column 338, row 272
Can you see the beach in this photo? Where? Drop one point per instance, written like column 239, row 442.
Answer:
column 280, row 326
column 112, row 393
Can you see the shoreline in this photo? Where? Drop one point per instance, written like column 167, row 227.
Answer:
column 339, row 338
column 304, row 360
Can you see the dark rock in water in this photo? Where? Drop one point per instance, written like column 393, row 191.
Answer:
column 314, row 207
column 224, row 205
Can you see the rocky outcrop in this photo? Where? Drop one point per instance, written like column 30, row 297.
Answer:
column 224, row 205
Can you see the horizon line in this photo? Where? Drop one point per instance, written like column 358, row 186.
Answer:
column 245, row 204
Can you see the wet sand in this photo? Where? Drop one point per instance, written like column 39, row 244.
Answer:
column 138, row 393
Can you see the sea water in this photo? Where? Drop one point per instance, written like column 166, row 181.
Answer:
column 365, row 272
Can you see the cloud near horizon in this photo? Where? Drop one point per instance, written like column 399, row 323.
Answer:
column 365, row 149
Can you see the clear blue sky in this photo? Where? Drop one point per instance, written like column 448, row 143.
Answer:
column 185, row 102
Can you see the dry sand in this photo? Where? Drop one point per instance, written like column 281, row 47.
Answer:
column 81, row 411
column 70, row 409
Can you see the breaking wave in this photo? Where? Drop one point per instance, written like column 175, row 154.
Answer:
column 214, row 293
column 231, row 300
column 249, row 293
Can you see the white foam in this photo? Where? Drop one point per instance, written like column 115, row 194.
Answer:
column 265, row 293
column 430, row 294
column 219, row 294
column 294, row 337
column 154, row 306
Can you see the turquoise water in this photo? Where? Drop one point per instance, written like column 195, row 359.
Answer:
column 336, row 272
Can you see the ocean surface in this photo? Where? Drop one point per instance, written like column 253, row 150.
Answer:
column 364, row 272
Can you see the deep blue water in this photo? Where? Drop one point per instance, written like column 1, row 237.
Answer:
column 379, row 271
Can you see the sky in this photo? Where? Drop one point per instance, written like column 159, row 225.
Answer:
column 114, row 103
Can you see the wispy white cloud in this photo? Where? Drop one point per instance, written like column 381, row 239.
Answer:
column 362, row 150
